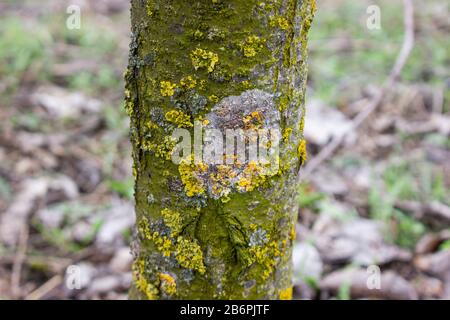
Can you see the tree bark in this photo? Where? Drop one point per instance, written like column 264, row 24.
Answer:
column 215, row 231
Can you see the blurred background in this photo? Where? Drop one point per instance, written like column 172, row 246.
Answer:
column 375, row 214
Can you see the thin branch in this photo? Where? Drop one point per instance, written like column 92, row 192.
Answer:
column 47, row 287
column 19, row 260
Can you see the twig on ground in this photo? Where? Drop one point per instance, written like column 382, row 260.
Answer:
column 408, row 44
column 19, row 260
column 57, row 279
column 47, row 287
column 434, row 211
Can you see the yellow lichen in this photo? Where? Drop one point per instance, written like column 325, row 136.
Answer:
column 188, row 82
column 252, row 177
column 181, row 119
column 150, row 125
column 266, row 257
column 129, row 108
column 286, row 134
column 286, row 294
column 253, row 121
column 293, row 233
column 252, row 46
column 220, row 181
column 190, row 176
column 246, row 84
column 202, row 85
column 204, row 59
column 173, row 220
column 302, row 124
column 284, row 103
column 168, row 284
column 150, row 290
column 163, row 244
column 143, row 228
column 167, row 88
column 302, row 152
column 189, row 255
column 187, row 252
column 213, row 98
column 279, row 21
column 163, row 150
column 149, row 10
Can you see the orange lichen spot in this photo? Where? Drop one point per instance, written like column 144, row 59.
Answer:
column 253, row 120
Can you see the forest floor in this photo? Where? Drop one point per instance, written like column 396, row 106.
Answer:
column 380, row 204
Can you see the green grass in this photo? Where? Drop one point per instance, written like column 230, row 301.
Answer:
column 125, row 188
column 399, row 183
column 29, row 46
column 72, row 213
column 309, row 198
column 23, row 47
column 5, row 189
column 445, row 245
column 337, row 76
column 344, row 292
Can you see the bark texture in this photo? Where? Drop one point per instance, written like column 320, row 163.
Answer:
column 215, row 231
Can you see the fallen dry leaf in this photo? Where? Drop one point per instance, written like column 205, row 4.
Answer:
column 393, row 286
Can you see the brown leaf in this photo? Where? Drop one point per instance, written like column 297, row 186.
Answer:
column 393, row 286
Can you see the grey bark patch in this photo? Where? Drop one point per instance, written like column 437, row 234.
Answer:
column 230, row 112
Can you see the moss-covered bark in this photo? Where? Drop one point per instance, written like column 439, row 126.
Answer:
column 204, row 231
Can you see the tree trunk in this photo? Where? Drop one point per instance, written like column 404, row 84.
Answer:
column 205, row 229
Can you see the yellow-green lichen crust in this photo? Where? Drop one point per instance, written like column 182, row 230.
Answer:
column 204, row 238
